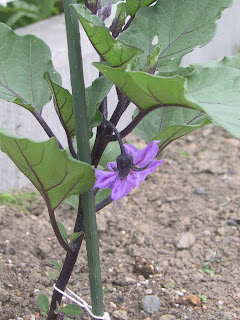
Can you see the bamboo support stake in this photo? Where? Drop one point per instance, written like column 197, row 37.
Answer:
column 83, row 152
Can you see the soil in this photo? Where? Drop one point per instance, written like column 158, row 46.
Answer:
column 178, row 235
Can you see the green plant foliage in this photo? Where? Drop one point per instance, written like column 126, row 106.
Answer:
column 179, row 25
column 42, row 302
column 53, row 172
column 63, row 103
column 132, row 6
column 72, row 310
column 168, row 124
column 20, row 13
column 23, row 62
column 22, row 200
column 201, row 89
column 110, row 50
column 62, row 230
column 119, row 19
column 146, row 90
column 55, row 264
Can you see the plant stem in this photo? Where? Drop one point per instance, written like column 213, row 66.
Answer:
column 83, row 152
column 45, row 126
column 68, row 265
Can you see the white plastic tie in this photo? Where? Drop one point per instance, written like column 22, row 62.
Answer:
column 83, row 304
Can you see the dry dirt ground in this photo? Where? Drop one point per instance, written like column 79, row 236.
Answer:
column 191, row 202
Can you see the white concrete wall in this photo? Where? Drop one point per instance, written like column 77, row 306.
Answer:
column 52, row 31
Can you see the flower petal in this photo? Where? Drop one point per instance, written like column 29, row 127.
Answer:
column 105, row 179
column 147, row 155
column 150, row 169
column 133, row 151
column 120, row 189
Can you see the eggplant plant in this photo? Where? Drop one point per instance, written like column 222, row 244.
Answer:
column 140, row 53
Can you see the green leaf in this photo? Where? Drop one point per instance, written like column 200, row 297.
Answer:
column 63, row 103
column 55, row 174
column 102, row 194
column 72, row 201
column 179, row 26
column 110, row 154
column 55, row 264
column 132, row 6
column 146, row 90
column 42, row 302
column 23, row 62
column 94, row 95
column 170, row 124
column 62, row 230
column 213, row 90
column 72, row 310
column 75, row 235
column 119, row 20
column 110, row 50
column 216, row 90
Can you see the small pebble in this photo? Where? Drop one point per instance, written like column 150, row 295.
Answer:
column 199, row 191
column 186, row 241
column 148, row 291
column 150, row 304
column 120, row 314
column 167, row 317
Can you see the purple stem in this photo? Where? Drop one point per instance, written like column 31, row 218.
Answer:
column 46, row 128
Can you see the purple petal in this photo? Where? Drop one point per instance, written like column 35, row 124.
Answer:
column 150, row 169
column 133, row 151
column 134, row 179
column 105, row 179
column 147, row 155
column 120, row 189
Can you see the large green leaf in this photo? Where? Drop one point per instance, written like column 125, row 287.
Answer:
column 170, row 124
column 179, row 25
column 113, row 51
column 23, row 62
column 132, row 6
column 53, row 172
column 63, row 103
column 214, row 90
column 146, row 90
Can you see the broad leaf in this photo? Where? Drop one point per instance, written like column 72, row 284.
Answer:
column 179, row 26
column 214, row 90
column 23, row 62
column 119, row 20
column 53, row 172
column 110, row 50
column 42, row 302
column 72, row 310
column 132, row 6
column 168, row 124
column 63, row 103
column 146, row 90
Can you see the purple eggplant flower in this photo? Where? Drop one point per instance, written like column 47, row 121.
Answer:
column 129, row 170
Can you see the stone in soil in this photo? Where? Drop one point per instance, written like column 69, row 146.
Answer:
column 186, row 241
column 167, row 317
column 120, row 315
column 150, row 304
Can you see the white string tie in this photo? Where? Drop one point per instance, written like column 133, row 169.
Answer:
column 83, row 304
